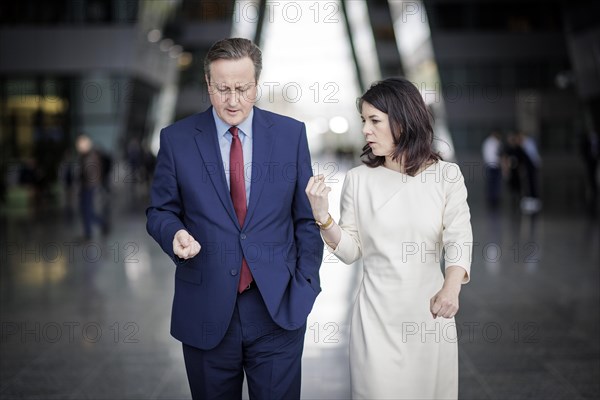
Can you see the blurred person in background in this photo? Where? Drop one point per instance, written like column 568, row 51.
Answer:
column 492, row 151
column 90, row 181
column 590, row 150
column 398, row 207
column 532, row 163
column 513, row 158
column 3, row 184
column 135, row 160
column 149, row 164
column 107, row 162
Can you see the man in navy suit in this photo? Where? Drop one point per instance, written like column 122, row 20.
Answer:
column 228, row 206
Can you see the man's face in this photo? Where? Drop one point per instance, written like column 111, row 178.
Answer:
column 83, row 144
column 232, row 89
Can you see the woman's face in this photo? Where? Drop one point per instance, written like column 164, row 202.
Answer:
column 377, row 131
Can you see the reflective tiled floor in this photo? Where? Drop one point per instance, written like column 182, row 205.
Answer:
column 91, row 320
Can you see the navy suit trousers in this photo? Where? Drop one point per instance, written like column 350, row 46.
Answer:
column 268, row 354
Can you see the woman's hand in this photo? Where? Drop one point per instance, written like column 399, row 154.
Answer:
column 317, row 192
column 444, row 303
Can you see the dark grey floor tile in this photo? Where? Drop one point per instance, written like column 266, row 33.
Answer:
column 528, row 385
column 581, row 374
column 470, row 388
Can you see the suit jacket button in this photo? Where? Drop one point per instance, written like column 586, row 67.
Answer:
column 243, row 236
column 233, row 272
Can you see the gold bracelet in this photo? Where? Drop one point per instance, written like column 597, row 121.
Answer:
column 325, row 225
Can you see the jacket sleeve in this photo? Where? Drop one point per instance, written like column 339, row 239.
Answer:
column 306, row 232
column 164, row 215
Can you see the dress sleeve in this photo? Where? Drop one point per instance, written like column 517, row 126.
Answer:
column 457, row 234
column 348, row 249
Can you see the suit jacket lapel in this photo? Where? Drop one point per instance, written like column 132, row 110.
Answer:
column 262, row 144
column 208, row 145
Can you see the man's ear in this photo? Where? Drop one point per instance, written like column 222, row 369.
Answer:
column 207, row 79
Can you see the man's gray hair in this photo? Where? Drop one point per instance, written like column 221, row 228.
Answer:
column 234, row 49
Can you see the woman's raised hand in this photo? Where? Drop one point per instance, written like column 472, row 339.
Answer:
column 317, row 192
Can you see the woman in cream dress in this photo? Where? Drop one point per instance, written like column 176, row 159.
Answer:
column 398, row 212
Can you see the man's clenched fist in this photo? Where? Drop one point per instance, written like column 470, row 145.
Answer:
column 184, row 245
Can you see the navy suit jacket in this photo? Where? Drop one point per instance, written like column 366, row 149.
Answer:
column 279, row 238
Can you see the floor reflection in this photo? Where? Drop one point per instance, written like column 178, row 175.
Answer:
column 91, row 320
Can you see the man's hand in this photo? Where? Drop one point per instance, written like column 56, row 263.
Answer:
column 184, row 245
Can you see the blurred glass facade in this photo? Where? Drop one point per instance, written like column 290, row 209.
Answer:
column 500, row 64
column 74, row 67
column 122, row 69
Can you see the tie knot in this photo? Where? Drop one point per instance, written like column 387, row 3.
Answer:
column 234, row 131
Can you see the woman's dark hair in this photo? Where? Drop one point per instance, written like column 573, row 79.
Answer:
column 410, row 123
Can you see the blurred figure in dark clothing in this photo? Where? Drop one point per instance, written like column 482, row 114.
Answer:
column 590, row 150
column 3, row 186
column 134, row 159
column 90, row 180
column 149, row 165
column 513, row 159
column 521, row 162
column 531, row 202
column 107, row 164
column 491, row 151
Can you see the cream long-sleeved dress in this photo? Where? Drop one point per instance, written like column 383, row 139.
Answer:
column 399, row 225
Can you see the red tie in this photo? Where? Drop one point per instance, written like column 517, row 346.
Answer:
column 238, row 196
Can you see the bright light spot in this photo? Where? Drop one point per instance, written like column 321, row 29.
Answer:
column 175, row 51
column 185, row 60
column 338, row 125
column 154, row 35
column 166, row 44
column 317, row 126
